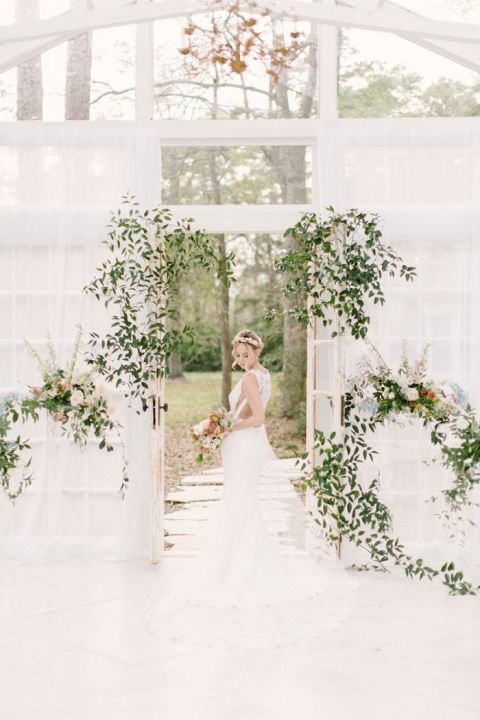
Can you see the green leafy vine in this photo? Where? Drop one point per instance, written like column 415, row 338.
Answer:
column 337, row 264
column 139, row 278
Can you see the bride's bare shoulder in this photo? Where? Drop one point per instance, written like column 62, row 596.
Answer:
column 249, row 380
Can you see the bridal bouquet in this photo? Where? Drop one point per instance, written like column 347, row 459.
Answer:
column 209, row 433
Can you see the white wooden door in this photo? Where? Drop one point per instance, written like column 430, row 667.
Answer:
column 325, row 392
column 158, row 408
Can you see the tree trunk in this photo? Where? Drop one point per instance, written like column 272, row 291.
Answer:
column 175, row 365
column 29, row 74
column 175, row 368
column 225, row 327
column 224, row 290
column 290, row 164
column 78, row 80
column 294, row 333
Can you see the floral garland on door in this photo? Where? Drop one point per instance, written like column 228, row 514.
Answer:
column 74, row 399
column 140, row 282
column 339, row 261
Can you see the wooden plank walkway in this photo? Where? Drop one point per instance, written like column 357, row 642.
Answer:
column 186, row 524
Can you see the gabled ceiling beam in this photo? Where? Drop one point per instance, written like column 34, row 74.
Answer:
column 13, row 54
column 467, row 54
column 378, row 20
column 389, row 17
column 81, row 20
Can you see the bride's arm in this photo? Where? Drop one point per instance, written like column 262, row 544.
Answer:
column 252, row 393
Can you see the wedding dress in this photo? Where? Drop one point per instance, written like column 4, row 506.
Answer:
column 242, row 590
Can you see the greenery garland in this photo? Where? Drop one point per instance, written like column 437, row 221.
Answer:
column 339, row 262
column 73, row 399
column 375, row 397
column 442, row 407
column 141, row 281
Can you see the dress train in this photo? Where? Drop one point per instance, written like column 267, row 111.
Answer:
column 243, row 590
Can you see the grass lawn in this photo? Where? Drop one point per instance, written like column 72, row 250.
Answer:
column 191, row 398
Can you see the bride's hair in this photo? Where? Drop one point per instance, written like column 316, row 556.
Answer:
column 248, row 337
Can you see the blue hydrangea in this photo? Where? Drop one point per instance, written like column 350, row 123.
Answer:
column 5, row 400
column 370, row 406
column 460, row 393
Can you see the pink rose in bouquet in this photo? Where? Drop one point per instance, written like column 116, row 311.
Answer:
column 209, row 433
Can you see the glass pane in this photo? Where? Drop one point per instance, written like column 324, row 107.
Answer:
column 457, row 11
column 431, row 310
column 6, row 366
column 99, row 71
column 324, row 419
column 89, row 176
column 407, row 174
column 113, row 74
column 324, row 366
column 33, row 317
column 384, row 75
column 213, row 94
column 236, row 175
column 54, row 73
column 11, row 10
column 8, row 97
column 6, row 317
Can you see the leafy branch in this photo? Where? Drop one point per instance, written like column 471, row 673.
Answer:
column 339, row 262
column 349, row 511
column 335, row 268
column 140, row 280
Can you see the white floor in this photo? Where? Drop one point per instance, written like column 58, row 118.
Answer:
column 74, row 646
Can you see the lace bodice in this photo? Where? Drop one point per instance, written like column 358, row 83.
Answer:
column 265, row 386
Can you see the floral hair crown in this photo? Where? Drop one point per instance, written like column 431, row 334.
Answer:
column 247, row 340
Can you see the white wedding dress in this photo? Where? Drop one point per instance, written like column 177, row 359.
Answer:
column 242, row 590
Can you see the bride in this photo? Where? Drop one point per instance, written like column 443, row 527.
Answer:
column 242, row 589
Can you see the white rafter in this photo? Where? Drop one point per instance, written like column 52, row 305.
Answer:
column 81, row 20
column 467, row 54
column 459, row 42
column 379, row 20
column 14, row 53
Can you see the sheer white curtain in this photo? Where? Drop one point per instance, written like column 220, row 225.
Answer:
column 423, row 177
column 58, row 182
column 57, row 185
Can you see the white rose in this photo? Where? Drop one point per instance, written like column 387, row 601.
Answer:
column 455, row 442
column 391, row 396
column 462, row 423
column 199, row 428
column 412, row 394
column 77, row 398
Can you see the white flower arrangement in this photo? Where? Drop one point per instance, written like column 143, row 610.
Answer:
column 72, row 399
